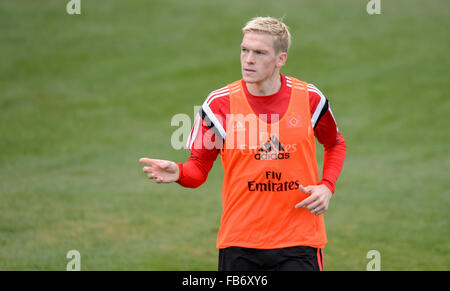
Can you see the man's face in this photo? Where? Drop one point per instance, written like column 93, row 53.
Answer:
column 259, row 60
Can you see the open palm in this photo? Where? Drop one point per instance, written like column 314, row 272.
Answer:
column 162, row 170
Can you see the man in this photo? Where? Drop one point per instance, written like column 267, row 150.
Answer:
column 264, row 126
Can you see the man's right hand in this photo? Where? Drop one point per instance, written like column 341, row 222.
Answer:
column 162, row 170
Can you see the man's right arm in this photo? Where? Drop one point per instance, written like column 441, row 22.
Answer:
column 195, row 170
column 190, row 174
column 206, row 139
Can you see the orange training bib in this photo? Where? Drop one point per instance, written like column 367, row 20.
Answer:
column 264, row 165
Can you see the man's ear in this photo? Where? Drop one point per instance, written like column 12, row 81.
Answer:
column 282, row 57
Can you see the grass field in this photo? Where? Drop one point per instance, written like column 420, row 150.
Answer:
column 83, row 97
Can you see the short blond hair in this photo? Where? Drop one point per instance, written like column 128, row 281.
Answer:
column 273, row 27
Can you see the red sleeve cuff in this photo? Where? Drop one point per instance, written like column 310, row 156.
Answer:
column 180, row 168
column 328, row 184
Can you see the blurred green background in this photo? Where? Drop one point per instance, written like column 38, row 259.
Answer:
column 83, row 97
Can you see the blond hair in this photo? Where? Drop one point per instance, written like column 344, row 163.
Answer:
column 272, row 27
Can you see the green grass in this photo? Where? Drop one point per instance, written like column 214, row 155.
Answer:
column 83, row 97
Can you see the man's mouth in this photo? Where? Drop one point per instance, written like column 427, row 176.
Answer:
column 249, row 70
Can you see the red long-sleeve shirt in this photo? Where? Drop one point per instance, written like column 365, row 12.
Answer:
column 212, row 115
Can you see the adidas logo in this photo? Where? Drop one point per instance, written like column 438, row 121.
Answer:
column 271, row 150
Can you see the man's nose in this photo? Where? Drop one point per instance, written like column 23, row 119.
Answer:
column 250, row 58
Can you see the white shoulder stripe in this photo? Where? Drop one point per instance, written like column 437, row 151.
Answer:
column 217, row 92
column 288, row 82
column 216, row 96
column 213, row 119
column 194, row 132
column 221, row 89
column 205, row 107
column 320, row 106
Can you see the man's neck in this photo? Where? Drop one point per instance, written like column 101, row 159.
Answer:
column 267, row 87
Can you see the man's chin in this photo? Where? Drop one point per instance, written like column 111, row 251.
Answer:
column 250, row 80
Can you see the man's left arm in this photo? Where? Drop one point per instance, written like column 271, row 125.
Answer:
column 327, row 133
column 335, row 149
